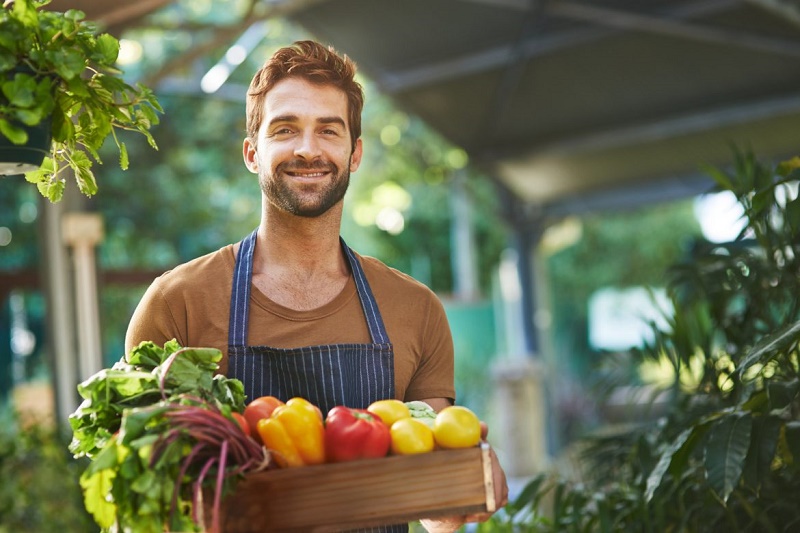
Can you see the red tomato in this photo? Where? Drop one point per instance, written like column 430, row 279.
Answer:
column 242, row 421
column 259, row 409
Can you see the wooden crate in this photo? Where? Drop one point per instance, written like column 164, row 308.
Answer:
column 370, row 492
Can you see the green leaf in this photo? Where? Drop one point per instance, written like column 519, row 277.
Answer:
column 13, row 133
column 149, row 354
column 681, row 457
column 725, row 452
column 95, row 488
column 757, row 400
column 51, row 187
column 145, row 483
column 25, row 13
column 720, row 177
column 75, row 15
column 7, row 60
column 62, row 128
column 793, row 213
column 81, row 165
column 791, row 433
column 123, row 156
column 107, row 48
column 29, row 117
column 762, row 200
column 20, row 90
column 766, row 348
column 136, row 420
column 77, row 86
column 787, row 167
column 764, row 442
column 657, row 474
column 107, row 458
column 45, row 169
column 68, row 63
column 782, row 394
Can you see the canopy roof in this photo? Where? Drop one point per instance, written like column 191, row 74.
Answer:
column 571, row 105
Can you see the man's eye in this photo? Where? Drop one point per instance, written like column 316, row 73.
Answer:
column 281, row 131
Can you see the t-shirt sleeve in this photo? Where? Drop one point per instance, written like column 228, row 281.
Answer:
column 434, row 377
column 152, row 320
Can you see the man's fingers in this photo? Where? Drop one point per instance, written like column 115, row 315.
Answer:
column 478, row 517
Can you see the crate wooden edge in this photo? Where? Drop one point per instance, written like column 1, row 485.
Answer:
column 475, row 463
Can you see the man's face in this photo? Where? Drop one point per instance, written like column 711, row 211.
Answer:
column 303, row 154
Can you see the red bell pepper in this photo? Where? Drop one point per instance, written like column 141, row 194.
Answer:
column 354, row 434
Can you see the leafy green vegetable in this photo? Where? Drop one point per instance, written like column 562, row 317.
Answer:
column 422, row 412
column 158, row 429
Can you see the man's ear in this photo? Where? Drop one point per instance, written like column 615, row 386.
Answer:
column 249, row 155
column 355, row 157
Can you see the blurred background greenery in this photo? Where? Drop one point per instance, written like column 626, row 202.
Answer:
column 194, row 195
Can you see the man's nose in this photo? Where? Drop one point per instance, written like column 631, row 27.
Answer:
column 308, row 147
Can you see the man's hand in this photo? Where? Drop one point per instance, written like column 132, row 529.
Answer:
column 452, row 523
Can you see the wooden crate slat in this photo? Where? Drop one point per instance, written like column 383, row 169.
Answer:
column 389, row 490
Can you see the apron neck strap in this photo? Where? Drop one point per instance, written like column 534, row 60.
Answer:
column 242, row 284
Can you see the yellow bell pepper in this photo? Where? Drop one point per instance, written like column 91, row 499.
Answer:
column 294, row 433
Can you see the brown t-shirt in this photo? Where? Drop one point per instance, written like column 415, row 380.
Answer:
column 191, row 303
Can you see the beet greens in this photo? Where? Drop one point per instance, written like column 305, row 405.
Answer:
column 158, row 430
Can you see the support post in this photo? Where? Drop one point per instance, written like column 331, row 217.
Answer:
column 82, row 232
column 520, row 400
column 465, row 272
column 60, row 309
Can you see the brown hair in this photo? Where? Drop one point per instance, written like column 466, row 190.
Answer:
column 312, row 62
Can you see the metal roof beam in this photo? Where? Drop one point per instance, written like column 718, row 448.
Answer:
column 501, row 56
column 627, row 195
column 509, row 80
column 632, row 21
column 676, row 126
column 520, row 5
column 783, row 8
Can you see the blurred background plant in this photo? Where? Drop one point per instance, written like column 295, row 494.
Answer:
column 194, row 196
column 40, row 490
column 726, row 454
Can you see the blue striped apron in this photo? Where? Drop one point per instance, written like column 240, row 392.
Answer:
column 351, row 374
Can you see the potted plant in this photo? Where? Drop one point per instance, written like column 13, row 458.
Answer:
column 59, row 85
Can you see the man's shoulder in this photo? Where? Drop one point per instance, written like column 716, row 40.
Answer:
column 379, row 272
column 202, row 269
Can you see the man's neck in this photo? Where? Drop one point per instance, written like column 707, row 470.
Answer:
column 299, row 262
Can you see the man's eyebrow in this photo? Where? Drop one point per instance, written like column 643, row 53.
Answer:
column 322, row 120
column 332, row 120
column 283, row 118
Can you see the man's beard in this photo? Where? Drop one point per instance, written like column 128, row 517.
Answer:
column 279, row 193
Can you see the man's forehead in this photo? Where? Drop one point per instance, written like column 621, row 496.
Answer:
column 304, row 97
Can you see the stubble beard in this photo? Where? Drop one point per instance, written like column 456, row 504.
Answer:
column 302, row 202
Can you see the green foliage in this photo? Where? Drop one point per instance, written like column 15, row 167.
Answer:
column 157, row 428
column 727, row 455
column 648, row 239
column 40, row 490
column 57, row 68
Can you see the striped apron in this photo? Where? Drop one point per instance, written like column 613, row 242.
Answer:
column 350, row 374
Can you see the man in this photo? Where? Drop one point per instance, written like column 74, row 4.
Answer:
column 295, row 311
